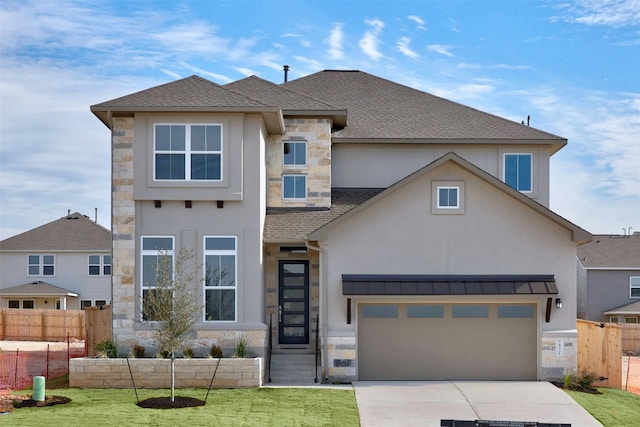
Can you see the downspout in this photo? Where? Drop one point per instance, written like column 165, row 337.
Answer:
column 323, row 302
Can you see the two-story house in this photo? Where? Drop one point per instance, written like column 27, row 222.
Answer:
column 64, row 264
column 414, row 231
column 608, row 271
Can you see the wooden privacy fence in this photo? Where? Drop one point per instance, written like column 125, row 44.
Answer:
column 98, row 327
column 41, row 325
column 600, row 351
column 630, row 336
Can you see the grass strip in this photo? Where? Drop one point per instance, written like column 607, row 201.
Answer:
column 613, row 408
column 225, row 407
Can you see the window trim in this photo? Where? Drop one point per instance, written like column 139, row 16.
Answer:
column 448, row 188
column 633, row 286
column 295, row 165
column 206, row 252
column 504, row 170
column 102, row 265
column 294, row 199
column 187, row 153
column 154, row 252
column 41, row 265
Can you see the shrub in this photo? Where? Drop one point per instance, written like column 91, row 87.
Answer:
column 586, row 379
column 241, row 346
column 216, row 351
column 107, row 349
column 137, row 351
column 187, row 352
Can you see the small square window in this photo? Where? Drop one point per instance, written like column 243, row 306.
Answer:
column 14, row 303
column 294, row 187
column 448, row 197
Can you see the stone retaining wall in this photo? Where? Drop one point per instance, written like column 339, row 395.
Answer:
column 155, row 373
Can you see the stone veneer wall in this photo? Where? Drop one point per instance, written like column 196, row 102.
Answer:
column 559, row 355
column 123, row 229
column 341, row 356
column 317, row 134
column 155, row 373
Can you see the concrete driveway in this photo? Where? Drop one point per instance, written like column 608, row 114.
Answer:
column 417, row 403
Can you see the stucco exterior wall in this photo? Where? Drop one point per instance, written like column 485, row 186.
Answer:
column 495, row 235
column 380, row 165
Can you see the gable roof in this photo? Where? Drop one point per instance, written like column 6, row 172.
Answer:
column 385, row 111
column 39, row 289
column 191, row 94
column 611, row 252
column 292, row 103
column 578, row 235
column 632, row 308
column 74, row 232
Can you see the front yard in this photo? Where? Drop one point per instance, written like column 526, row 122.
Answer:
column 237, row 407
column 613, row 408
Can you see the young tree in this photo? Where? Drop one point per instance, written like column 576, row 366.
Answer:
column 171, row 303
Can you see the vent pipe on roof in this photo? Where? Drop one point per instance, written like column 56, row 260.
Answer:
column 286, row 72
column 96, row 217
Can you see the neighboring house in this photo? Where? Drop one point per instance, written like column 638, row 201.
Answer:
column 416, row 229
column 608, row 270
column 65, row 265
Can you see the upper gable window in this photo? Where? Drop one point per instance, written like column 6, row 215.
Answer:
column 188, row 152
column 295, row 153
column 448, row 197
column 634, row 287
column 518, row 171
column 41, row 265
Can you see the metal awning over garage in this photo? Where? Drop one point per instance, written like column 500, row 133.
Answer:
column 412, row 284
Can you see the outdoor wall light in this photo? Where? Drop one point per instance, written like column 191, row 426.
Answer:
column 558, row 303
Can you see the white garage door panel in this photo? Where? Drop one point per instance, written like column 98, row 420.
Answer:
column 468, row 348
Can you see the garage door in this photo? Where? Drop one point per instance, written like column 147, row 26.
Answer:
column 447, row 342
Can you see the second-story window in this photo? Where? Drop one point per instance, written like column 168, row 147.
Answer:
column 99, row 265
column 188, row 152
column 41, row 265
column 518, row 171
column 295, row 153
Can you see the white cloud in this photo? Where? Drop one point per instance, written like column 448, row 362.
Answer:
column 439, row 48
column 418, row 21
column 493, row 66
column 403, row 47
column 614, row 13
column 369, row 43
column 335, row 41
column 246, row 71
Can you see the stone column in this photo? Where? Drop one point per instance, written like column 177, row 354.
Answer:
column 123, row 229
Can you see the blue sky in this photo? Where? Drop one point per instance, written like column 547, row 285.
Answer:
column 572, row 66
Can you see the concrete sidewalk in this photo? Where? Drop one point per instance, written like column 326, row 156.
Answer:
column 416, row 403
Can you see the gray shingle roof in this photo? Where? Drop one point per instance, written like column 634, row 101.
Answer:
column 282, row 225
column 382, row 109
column 633, row 308
column 74, row 232
column 611, row 251
column 36, row 289
column 191, row 91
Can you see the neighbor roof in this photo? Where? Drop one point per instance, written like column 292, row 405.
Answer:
column 75, row 232
column 633, row 308
column 382, row 110
column 33, row 289
column 610, row 251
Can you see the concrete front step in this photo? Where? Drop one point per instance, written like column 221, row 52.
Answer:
column 293, row 368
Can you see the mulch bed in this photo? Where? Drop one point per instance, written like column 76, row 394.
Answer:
column 576, row 387
column 166, row 403
column 11, row 402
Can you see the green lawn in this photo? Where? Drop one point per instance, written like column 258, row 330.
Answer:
column 613, row 408
column 225, row 407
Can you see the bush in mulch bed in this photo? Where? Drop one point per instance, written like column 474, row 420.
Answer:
column 584, row 383
column 166, row 403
